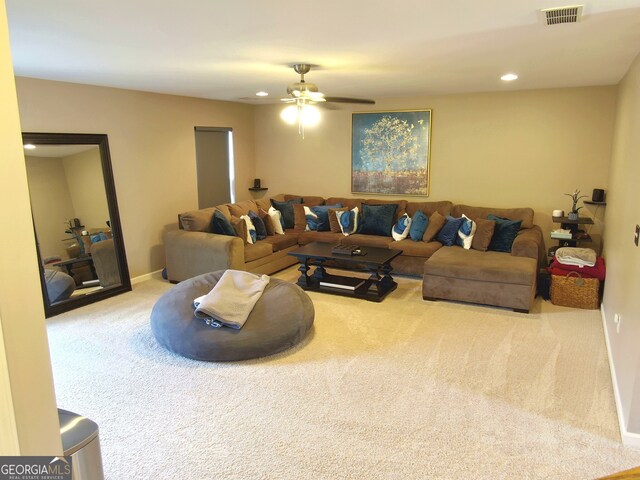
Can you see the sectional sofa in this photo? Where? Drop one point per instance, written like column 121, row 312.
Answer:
column 449, row 273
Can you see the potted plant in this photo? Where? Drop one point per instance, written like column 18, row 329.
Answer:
column 575, row 197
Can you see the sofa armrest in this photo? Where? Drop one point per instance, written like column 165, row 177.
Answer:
column 193, row 253
column 529, row 244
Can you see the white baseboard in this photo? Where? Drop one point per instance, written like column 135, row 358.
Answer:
column 629, row 439
column 147, row 276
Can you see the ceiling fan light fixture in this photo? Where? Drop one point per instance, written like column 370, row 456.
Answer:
column 303, row 114
column 289, row 114
column 308, row 115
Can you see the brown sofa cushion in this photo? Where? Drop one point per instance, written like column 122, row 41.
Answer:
column 524, row 214
column 495, row 267
column 529, row 243
column 263, row 203
column 309, row 201
column 280, row 242
column 346, row 202
column 367, row 240
column 443, row 208
column 483, row 235
column 324, row 237
column 197, row 220
column 415, row 249
column 242, row 208
column 334, row 225
column 257, row 250
column 436, row 222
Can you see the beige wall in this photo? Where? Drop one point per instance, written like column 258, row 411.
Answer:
column 493, row 149
column 622, row 256
column 86, row 187
column 50, row 203
column 28, row 416
column 151, row 140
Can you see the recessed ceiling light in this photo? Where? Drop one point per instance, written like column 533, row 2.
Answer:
column 29, row 146
column 261, row 94
column 509, row 77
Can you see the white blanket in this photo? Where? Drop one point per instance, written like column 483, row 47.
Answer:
column 582, row 257
column 231, row 300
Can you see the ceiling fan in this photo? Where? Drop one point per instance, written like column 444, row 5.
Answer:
column 303, row 96
column 303, row 92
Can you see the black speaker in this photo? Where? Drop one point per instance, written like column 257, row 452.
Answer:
column 598, row 195
column 256, row 183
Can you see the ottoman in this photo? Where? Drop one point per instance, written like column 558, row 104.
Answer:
column 280, row 319
column 489, row 278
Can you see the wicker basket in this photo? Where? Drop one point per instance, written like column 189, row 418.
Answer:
column 574, row 291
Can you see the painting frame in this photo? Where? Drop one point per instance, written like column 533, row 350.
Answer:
column 375, row 135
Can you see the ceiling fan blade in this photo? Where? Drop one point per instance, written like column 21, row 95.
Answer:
column 367, row 101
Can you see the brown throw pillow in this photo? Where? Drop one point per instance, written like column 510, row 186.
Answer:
column 299, row 218
column 334, row 226
column 240, row 227
column 266, row 218
column 436, row 222
column 483, row 235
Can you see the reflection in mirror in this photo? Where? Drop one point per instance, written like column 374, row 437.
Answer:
column 76, row 219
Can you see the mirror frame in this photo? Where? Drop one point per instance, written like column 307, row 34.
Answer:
column 114, row 219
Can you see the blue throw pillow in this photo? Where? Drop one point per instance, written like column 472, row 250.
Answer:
column 98, row 237
column 258, row 224
column 322, row 211
column 447, row 236
column 419, row 224
column 378, row 219
column 220, row 224
column 311, row 219
column 348, row 221
column 286, row 209
column 401, row 229
column 504, row 234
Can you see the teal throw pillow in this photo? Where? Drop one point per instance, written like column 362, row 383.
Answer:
column 378, row 219
column 322, row 212
column 286, row 209
column 220, row 224
column 504, row 234
column 449, row 233
column 419, row 224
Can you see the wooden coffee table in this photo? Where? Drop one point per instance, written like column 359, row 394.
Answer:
column 376, row 260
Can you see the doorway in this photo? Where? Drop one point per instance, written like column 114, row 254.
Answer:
column 215, row 166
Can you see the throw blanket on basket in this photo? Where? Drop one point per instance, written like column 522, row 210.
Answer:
column 231, row 300
column 582, row 257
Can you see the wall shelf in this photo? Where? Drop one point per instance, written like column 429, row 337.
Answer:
column 588, row 202
column 258, row 189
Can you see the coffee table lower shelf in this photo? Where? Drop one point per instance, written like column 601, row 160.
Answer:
column 370, row 289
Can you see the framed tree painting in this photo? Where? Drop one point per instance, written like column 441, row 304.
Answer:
column 390, row 152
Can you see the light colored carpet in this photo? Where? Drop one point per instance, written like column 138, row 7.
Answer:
column 405, row 389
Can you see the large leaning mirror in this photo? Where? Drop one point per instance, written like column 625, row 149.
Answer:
column 81, row 254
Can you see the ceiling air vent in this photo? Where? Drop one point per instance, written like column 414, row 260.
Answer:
column 559, row 15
